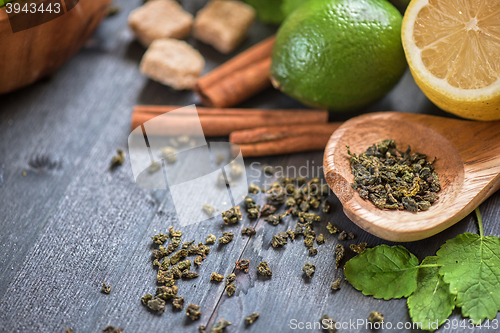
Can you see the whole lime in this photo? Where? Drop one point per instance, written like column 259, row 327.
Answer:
column 339, row 54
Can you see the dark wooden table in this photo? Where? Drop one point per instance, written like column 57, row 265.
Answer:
column 66, row 230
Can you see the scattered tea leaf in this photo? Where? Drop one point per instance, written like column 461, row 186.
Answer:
column 220, row 158
column 232, row 215
column 210, row 239
column 320, row 239
column 268, row 169
column 106, row 288
column 177, row 256
column 339, row 254
column 376, row 317
column 253, row 189
column 249, row 231
column 243, row 265
column 216, row 277
column 208, row 209
column 193, row 311
column 226, row 237
column 278, row 240
column 153, row 303
column 178, row 303
column 264, row 270
column 267, row 210
column 170, row 154
column 332, row 229
column 154, row 166
column 174, row 233
column 328, row 324
column 187, row 274
column 230, row 289
column 236, row 169
column 198, row 260
column 359, row 248
column 183, row 265
column 336, row 284
column 118, row 159
column 159, row 239
column 160, row 252
column 230, row 278
column 220, row 326
column 112, row 329
column 166, row 293
column 325, row 206
column 309, row 269
column 249, row 320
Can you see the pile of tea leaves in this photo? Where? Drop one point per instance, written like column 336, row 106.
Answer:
column 464, row 273
column 300, row 197
column 295, row 197
column 392, row 179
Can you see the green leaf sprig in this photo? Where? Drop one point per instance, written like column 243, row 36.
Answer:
column 464, row 273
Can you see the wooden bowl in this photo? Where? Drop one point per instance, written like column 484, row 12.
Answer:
column 31, row 54
column 468, row 164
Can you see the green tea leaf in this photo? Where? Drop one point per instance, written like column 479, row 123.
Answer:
column 470, row 263
column 432, row 300
column 383, row 272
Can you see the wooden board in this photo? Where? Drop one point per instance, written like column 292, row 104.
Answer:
column 67, row 230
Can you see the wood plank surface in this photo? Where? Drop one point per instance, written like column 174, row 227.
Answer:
column 65, row 231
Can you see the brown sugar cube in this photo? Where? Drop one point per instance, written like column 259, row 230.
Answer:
column 223, row 24
column 172, row 62
column 160, row 19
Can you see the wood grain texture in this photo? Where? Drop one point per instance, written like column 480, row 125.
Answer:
column 31, row 54
column 468, row 165
column 67, row 230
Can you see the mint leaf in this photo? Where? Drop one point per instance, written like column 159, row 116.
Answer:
column 383, row 272
column 432, row 300
column 470, row 263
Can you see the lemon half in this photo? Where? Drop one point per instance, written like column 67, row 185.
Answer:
column 453, row 51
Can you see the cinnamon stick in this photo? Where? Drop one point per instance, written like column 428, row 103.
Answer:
column 290, row 145
column 239, row 78
column 264, row 134
column 283, row 140
column 253, row 54
column 238, row 86
column 220, row 122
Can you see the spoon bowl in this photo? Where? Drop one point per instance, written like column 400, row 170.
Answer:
column 468, row 165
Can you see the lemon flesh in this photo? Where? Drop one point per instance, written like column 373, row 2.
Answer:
column 452, row 48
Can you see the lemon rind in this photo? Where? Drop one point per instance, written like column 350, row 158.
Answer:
column 417, row 66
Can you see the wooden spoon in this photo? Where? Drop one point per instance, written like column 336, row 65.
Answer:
column 468, row 165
